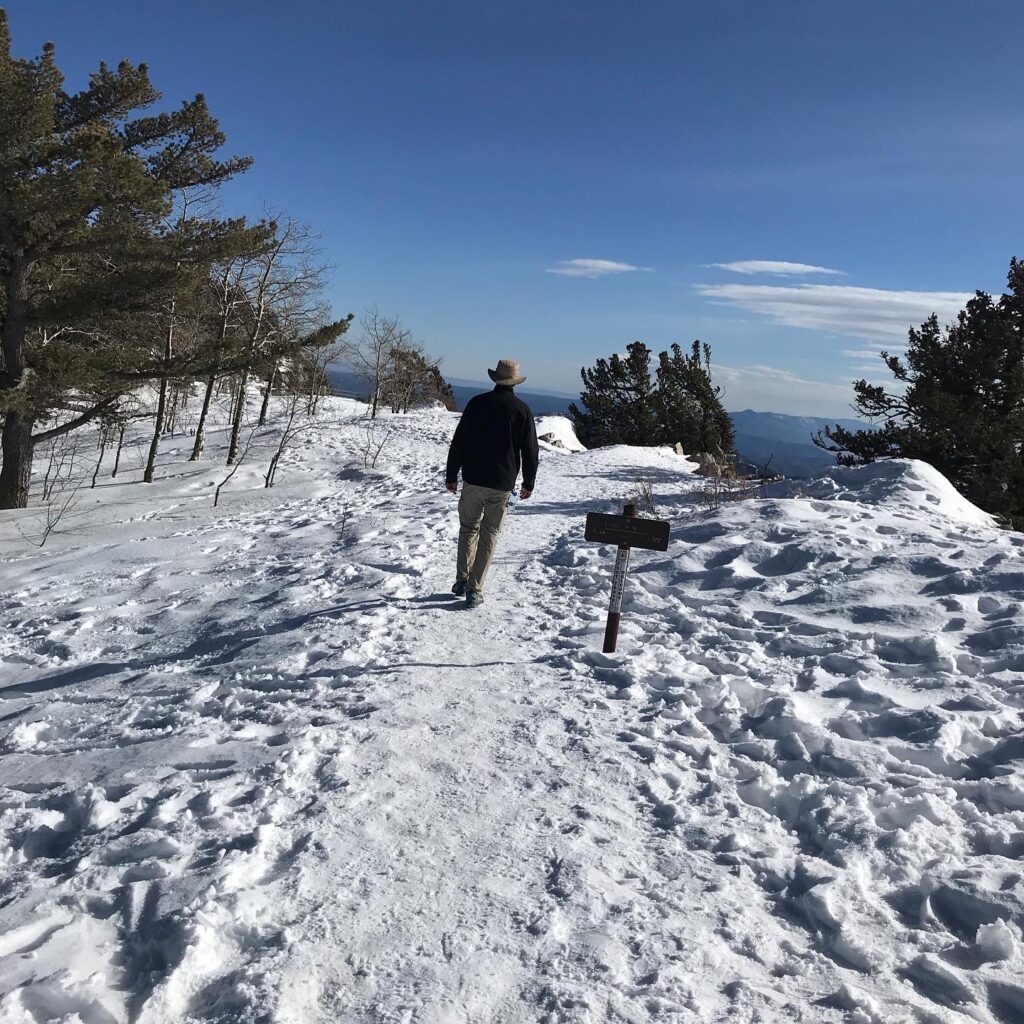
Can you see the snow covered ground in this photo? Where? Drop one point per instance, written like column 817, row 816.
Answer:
column 257, row 765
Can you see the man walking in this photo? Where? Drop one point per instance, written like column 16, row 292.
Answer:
column 495, row 436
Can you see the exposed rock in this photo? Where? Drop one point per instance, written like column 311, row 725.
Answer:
column 552, row 439
column 711, row 465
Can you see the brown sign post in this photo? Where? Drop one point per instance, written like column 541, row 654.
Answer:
column 625, row 531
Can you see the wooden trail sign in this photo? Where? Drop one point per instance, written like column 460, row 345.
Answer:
column 626, row 531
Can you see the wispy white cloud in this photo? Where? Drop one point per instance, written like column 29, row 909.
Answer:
column 872, row 353
column 592, row 268
column 839, row 309
column 769, row 387
column 774, row 268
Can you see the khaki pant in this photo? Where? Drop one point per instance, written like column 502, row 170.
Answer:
column 481, row 513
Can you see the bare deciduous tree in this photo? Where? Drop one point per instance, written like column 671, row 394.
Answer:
column 64, row 477
column 243, row 451
column 280, row 291
column 291, row 429
column 377, row 438
column 312, row 365
column 107, row 430
column 642, row 495
column 62, row 455
column 222, row 302
column 373, row 357
column 718, row 489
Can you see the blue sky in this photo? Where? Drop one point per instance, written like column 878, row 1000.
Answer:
column 489, row 172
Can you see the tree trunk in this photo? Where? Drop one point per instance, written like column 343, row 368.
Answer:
column 184, row 394
column 236, row 420
column 314, row 386
column 266, row 396
column 197, row 448
column 161, row 408
column 173, row 408
column 99, row 461
column 171, row 414
column 16, row 474
column 117, row 457
column 268, row 480
column 52, row 471
column 158, row 426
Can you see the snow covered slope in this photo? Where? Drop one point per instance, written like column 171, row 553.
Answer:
column 256, row 765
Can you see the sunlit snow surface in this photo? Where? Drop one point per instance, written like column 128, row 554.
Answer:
column 257, row 765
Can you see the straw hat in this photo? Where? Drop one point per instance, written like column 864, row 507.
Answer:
column 507, row 373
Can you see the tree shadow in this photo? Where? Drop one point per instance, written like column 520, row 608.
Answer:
column 212, row 648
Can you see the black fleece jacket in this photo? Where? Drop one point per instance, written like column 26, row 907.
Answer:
column 495, row 435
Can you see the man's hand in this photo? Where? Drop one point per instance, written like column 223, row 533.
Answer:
column 525, row 492
column 454, row 488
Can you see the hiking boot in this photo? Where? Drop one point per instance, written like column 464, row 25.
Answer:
column 459, row 590
column 474, row 599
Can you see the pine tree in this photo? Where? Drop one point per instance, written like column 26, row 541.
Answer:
column 621, row 405
column 414, row 379
column 689, row 406
column 440, row 390
column 618, row 404
column 85, row 183
column 959, row 403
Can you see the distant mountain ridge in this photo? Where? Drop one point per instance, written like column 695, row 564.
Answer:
column 783, row 438
column 348, row 384
column 786, row 440
column 784, row 427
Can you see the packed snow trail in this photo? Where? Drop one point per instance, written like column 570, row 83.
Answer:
column 258, row 765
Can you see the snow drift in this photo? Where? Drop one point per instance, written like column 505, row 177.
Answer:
column 899, row 483
column 558, row 432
